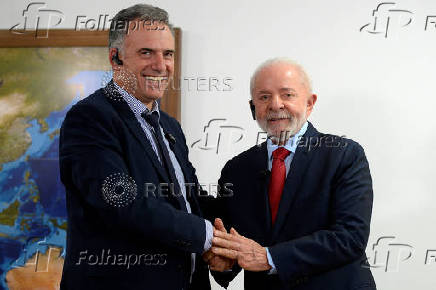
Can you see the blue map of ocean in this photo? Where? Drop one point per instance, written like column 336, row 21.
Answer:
column 37, row 226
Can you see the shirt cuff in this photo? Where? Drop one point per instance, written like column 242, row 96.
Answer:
column 273, row 269
column 209, row 236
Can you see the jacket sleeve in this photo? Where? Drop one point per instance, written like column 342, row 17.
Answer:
column 346, row 237
column 91, row 156
column 218, row 208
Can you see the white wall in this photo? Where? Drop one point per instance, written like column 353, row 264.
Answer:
column 375, row 90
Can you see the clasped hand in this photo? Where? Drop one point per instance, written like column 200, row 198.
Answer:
column 228, row 248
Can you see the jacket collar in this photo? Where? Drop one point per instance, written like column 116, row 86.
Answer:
column 118, row 102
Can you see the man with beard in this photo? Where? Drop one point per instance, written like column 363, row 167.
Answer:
column 132, row 221
column 301, row 204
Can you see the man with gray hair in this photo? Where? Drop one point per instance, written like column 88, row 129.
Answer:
column 300, row 212
column 134, row 214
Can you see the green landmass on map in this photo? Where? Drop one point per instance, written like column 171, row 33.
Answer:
column 9, row 215
column 62, row 226
column 33, row 84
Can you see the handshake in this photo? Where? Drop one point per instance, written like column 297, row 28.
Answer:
column 230, row 248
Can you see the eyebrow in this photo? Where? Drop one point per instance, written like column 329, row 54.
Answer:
column 287, row 89
column 146, row 49
column 281, row 90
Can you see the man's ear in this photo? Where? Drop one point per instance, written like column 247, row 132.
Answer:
column 310, row 103
column 114, row 58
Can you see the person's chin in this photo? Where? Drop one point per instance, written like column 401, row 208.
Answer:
column 280, row 134
column 278, row 131
column 154, row 94
column 154, row 87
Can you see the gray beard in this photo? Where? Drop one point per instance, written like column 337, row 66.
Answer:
column 283, row 136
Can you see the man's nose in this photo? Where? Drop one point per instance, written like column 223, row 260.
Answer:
column 158, row 63
column 276, row 103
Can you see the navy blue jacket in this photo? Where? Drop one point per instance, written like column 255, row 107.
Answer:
column 319, row 238
column 115, row 217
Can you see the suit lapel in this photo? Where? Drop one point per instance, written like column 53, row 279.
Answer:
column 132, row 123
column 297, row 170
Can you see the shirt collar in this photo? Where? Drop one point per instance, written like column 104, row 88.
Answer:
column 136, row 105
column 292, row 143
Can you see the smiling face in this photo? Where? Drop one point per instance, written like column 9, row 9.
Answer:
column 148, row 62
column 282, row 99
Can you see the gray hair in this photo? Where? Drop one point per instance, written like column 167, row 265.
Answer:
column 305, row 78
column 142, row 12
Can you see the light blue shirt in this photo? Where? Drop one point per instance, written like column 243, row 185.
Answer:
column 291, row 145
column 138, row 108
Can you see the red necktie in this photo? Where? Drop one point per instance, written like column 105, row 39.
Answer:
column 277, row 181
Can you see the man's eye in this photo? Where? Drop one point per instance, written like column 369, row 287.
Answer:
column 263, row 97
column 169, row 54
column 289, row 95
column 145, row 52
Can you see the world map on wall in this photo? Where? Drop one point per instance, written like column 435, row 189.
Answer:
column 37, row 88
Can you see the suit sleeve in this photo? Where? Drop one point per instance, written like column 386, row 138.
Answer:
column 90, row 152
column 345, row 239
column 211, row 209
column 218, row 208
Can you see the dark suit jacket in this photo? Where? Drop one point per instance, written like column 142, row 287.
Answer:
column 319, row 238
column 107, row 165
